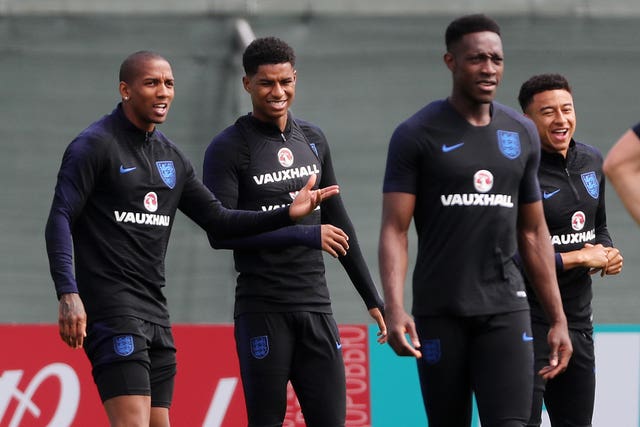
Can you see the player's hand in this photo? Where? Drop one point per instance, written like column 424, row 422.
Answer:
column 560, row 351
column 335, row 242
column 594, row 257
column 376, row 314
column 615, row 261
column 308, row 199
column 72, row 320
column 400, row 323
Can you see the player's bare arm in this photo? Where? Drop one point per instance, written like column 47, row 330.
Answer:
column 397, row 211
column 537, row 254
column 622, row 167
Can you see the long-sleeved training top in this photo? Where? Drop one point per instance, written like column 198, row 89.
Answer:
column 574, row 207
column 115, row 200
column 252, row 165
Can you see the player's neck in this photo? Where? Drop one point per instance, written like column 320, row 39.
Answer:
column 476, row 113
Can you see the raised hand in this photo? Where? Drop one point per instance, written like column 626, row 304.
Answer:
column 308, row 199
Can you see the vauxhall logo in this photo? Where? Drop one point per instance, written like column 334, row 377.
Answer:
column 68, row 401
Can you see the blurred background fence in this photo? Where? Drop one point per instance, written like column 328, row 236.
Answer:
column 363, row 66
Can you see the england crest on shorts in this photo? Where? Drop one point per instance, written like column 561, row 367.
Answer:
column 123, row 345
column 259, row 346
column 431, row 351
column 590, row 181
column 167, row 172
column 509, row 144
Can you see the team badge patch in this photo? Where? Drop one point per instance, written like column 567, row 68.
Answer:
column 123, row 345
column 167, row 172
column 590, row 181
column 431, row 351
column 259, row 346
column 509, row 143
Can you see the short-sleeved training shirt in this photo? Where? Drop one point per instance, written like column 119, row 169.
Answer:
column 468, row 182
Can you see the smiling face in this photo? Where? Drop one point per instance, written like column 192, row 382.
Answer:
column 553, row 114
column 149, row 93
column 272, row 89
column 476, row 62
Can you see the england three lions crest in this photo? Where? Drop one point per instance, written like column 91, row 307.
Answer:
column 509, row 144
column 123, row 345
column 431, row 351
column 590, row 181
column 167, row 172
column 259, row 346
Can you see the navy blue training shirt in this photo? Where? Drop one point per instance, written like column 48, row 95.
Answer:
column 468, row 182
column 574, row 207
column 252, row 165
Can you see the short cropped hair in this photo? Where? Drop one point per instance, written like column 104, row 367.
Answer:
column 130, row 67
column 266, row 50
column 469, row 24
column 541, row 83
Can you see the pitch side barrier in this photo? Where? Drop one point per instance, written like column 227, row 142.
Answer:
column 45, row 383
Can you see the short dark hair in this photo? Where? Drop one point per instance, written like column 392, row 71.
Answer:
column 131, row 65
column 541, row 83
column 469, row 24
column 266, row 50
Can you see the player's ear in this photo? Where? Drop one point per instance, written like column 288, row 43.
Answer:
column 449, row 61
column 245, row 83
column 124, row 90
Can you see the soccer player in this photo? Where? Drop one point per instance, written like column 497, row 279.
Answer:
column 119, row 186
column 284, row 327
column 622, row 167
column 572, row 185
column 464, row 168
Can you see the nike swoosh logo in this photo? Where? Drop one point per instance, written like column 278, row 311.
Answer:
column 446, row 148
column 126, row 170
column 549, row 195
column 338, row 345
column 526, row 337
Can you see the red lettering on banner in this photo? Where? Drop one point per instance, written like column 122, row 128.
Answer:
column 356, row 362
column 42, row 381
column 45, row 383
column 355, row 345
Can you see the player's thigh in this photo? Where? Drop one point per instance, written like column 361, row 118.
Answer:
column 162, row 353
column 118, row 350
column 570, row 397
column 443, row 369
column 265, row 347
column 318, row 375
column 502, row 368
column 128, row 410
